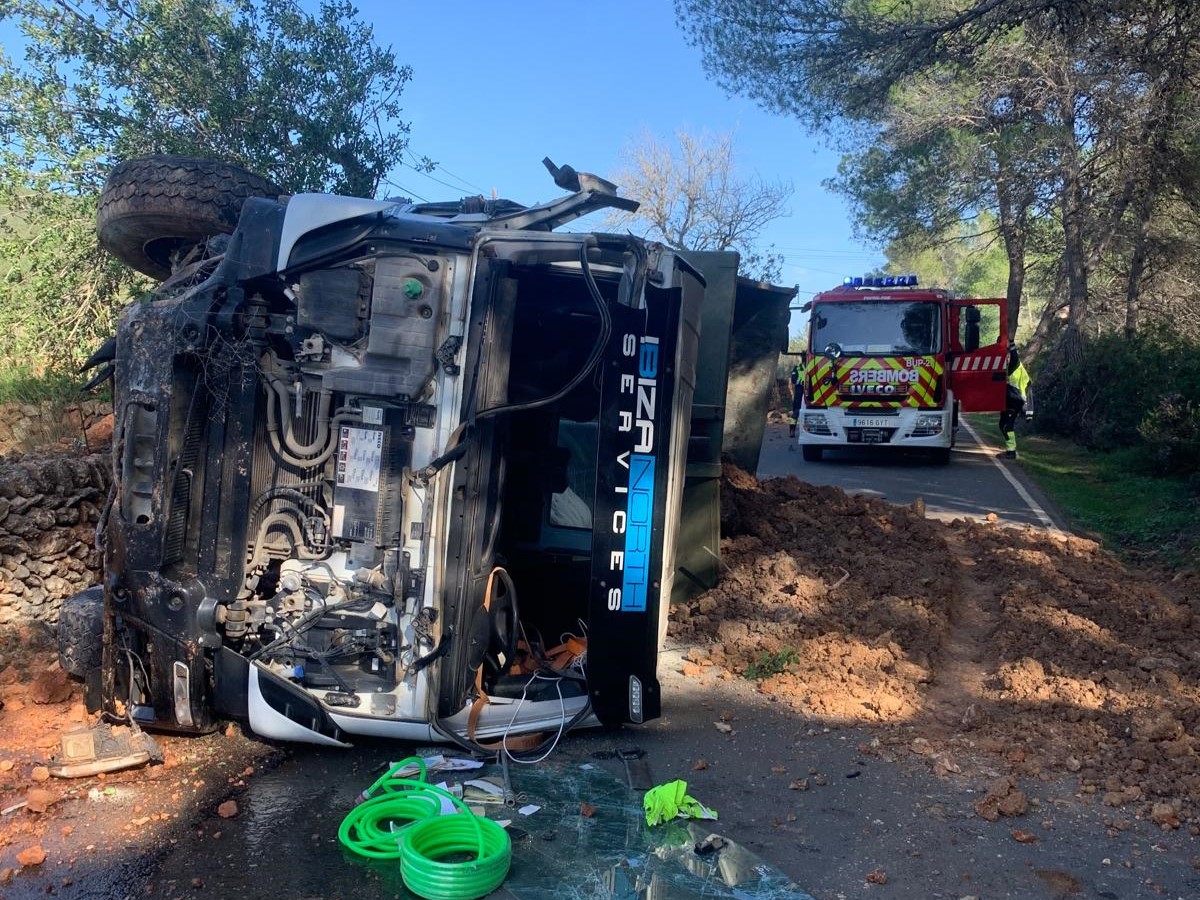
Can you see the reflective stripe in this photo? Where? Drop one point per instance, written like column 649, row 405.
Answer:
column 828, row 382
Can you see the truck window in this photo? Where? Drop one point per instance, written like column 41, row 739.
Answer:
column 877, row 327
column 988, row 325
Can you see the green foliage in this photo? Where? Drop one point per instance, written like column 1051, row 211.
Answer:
column 307, row 99
column 19, row 385
column 1171, row 431
column 768, row 664
column 1141, row 391
column 1142, row 515
column 966, row 257
column 62, row 293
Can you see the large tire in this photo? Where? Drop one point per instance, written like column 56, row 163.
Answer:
column 81, row 632
column 154, row 208
column 811, row 453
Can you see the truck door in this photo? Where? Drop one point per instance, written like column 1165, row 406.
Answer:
column 978, row 357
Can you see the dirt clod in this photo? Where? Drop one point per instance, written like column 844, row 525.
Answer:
column 38, row 800
column 32, row 856
column 1002, row 799
column 228, row 809
column 51, row 686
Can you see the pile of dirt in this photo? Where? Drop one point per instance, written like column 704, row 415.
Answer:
column 48, row 823
column 1013, row 650
column 848, row 597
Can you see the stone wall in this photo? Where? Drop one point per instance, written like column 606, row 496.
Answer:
column 49, row 507
column 26, row 427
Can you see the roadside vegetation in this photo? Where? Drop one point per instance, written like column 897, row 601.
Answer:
column 768, row 664
column 1116, row 496
column 18, row 385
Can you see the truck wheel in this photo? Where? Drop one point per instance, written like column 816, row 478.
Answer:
column 940, row 456
column 153, row 209
column 81, row 632
column 811, row 453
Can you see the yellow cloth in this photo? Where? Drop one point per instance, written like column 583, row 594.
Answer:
column 670, row 801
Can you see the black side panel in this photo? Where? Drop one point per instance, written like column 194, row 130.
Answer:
column 629, row 526
column 293, row 703
column 231, row 683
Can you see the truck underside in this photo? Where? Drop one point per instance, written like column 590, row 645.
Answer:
column 400, row 474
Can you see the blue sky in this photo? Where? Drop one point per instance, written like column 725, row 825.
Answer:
column 498, row 85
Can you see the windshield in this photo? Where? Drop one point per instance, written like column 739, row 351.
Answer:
column 877, row 327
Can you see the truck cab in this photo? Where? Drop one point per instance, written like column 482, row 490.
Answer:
column 393, row 470
column 891, row 363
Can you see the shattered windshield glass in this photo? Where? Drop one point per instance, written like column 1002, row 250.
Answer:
column 877, row 327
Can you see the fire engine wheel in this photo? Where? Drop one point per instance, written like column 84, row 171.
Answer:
column 154, row 209
column 811, row 453
column 940, row 456
column 81, row 632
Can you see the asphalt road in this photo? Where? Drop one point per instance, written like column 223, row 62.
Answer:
column 865, row 810
column 974, row 483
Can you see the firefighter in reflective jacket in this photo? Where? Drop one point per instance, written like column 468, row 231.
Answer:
column 1015, row 400
column 796, row 377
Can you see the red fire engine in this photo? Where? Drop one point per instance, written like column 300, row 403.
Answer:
column 890, row 363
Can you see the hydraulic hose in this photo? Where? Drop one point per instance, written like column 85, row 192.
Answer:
column 286, row 447
column 426, row 839
column 323, row 405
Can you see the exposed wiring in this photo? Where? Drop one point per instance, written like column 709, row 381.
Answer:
column 307, row 621
column 593, row 357
column 562, row 722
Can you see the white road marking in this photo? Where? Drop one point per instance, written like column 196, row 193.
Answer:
column 1012, row 479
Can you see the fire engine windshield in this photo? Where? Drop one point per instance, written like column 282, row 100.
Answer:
column 877, row 327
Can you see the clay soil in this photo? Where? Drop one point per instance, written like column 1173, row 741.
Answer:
column 984, row 650
column 91, row 821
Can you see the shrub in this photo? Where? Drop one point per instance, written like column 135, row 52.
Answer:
column 1172, row 434
column 768, row 664
column 1141, row 391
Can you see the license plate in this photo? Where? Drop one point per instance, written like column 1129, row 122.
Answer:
column 865, row 422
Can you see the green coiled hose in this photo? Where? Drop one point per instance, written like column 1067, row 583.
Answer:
column 425, row 845
column 368, row 829
column 426, row 839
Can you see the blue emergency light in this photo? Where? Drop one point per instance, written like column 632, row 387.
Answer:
column 880, row 281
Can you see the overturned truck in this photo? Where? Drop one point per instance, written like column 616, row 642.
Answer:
column 392, row 469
